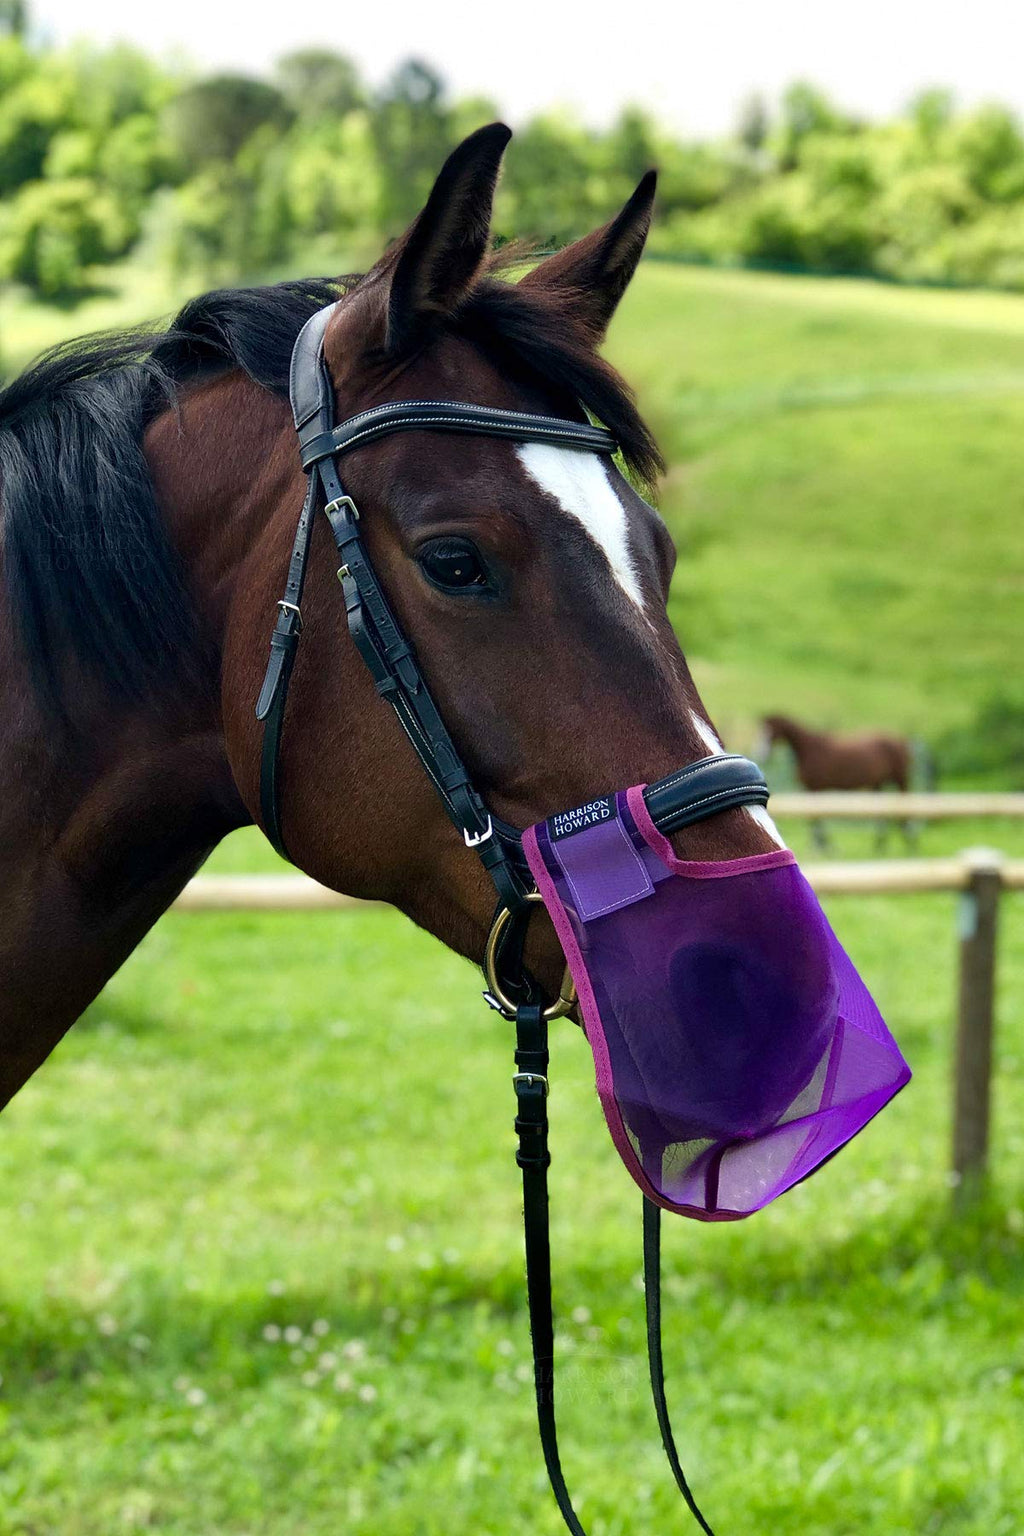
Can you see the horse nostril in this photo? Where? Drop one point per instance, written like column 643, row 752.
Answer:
column 750, row 1030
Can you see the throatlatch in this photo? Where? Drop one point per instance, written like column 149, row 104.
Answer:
column 735, row 1046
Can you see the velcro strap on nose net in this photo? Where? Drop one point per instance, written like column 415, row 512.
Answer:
column 602, row 868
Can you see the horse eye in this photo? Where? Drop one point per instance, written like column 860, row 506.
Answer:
column 453, row 565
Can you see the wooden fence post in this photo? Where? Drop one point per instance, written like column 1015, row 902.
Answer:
column 972, row 1079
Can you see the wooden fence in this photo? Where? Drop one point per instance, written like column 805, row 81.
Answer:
column 979, row 877
column 871, row 805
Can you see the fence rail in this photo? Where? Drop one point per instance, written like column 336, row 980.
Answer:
column 858, row 804
column 979, row 876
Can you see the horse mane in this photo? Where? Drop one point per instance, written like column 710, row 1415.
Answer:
column 91, row 572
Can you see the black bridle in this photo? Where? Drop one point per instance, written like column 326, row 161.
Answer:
column 699, row 790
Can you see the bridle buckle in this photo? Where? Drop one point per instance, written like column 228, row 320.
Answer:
column 285, row 607
column 474, row 839
column 528, row 1079
column 343, row 501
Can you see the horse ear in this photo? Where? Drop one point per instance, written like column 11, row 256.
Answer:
column 438, row 257
column 591, row 275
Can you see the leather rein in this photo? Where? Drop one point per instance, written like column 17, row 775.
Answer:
column 699, row 790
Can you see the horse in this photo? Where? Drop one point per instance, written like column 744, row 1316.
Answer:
column 868, row 760
column 150, row 485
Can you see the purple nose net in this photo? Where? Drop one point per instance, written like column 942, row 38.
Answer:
column 736, row 1047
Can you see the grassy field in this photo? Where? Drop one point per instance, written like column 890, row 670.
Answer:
column 261, row 1268
column 847, row 492
column 846, row 487
column 260, row 1271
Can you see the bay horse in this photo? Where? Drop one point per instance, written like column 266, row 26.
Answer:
column 150, row 488
column 867, row 760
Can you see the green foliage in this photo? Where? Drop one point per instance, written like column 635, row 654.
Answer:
column 931, row 112
column 317, row 83
column 210, row 121
column 753, row 122
column 411, row 137
column 314, row 159
column 13, row 17
column 31, row 113
column 333, row 179
column 551, row 185
column 990, row 745
column 197, row 230
column 989, row 146
column 53, row 230
column 806, row 112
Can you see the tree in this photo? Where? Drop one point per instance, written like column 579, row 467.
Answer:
column 557, row 181
column 989, row 146
column 631, row 143
column 411, row 132
column 210, row 121
column 931, row 112
column 30, row 115
column 318, row 83
column 805, row 111
column 54, row 230
column 13, row 18
column 753, row 123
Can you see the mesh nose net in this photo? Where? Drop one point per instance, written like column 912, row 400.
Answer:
column 735, row 1046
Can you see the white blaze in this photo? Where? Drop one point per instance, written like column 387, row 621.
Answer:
column 580, row 484
column 715, row 749
column 706, row 734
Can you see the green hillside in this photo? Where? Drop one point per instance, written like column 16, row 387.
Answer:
column 846, row 491
column 845, row 488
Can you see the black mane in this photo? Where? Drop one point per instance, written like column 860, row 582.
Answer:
column 91, row 572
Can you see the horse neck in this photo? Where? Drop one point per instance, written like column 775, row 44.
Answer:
column 104, row 820
column 797, row 736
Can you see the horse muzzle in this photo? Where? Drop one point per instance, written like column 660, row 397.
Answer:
column 735, row 1046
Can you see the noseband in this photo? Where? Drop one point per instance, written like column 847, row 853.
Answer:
column 693, row 793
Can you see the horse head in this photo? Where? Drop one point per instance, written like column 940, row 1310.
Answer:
column 531, row 579
column 151, row 488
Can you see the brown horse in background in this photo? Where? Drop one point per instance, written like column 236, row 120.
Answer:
column 867, row 760
column 823, row 761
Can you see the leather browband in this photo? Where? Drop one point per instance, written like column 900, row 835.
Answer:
column 452, row 416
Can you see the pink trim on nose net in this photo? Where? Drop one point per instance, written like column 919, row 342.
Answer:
column 735, row 1046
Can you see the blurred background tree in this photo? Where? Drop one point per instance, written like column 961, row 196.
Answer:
column 230, row 177
column 317, row 84
column 411, row 134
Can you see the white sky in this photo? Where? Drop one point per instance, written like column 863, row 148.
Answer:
column 689, row 64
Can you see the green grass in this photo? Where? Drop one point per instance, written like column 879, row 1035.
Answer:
column 846, row 492
column 303, row 1122
column 845, row 486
